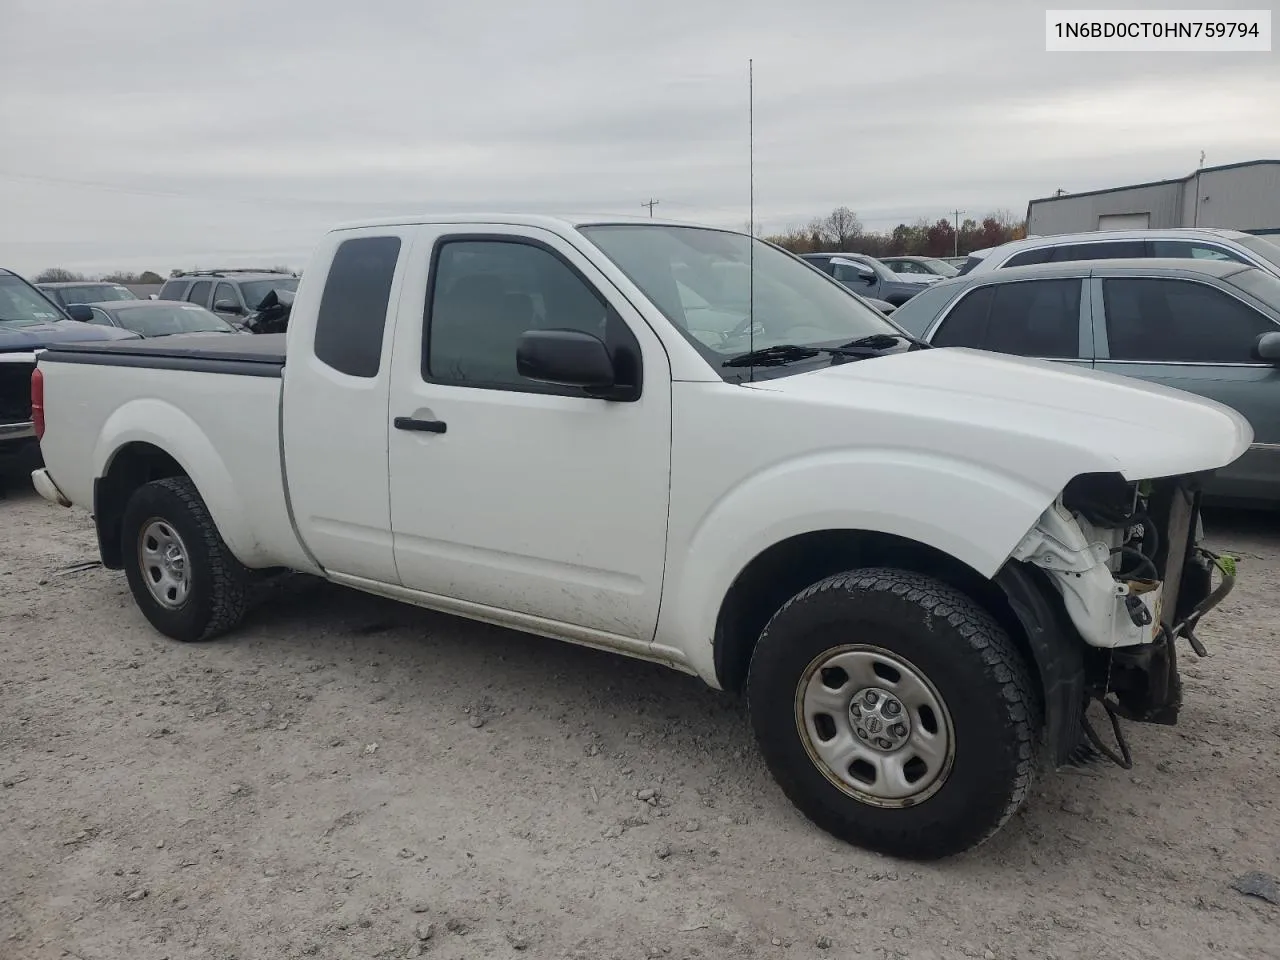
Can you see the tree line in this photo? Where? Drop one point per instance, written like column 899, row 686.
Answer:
column 841, row 231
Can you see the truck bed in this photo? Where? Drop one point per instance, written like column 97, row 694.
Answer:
column 259, row 355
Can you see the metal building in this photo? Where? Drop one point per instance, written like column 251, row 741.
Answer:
column 1236, row 196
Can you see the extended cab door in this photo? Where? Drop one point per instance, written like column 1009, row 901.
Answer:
column 335, row 400
column 512, row 497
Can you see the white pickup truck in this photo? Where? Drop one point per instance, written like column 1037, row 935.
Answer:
column 680, row 444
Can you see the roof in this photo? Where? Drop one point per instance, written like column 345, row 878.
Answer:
column 110, row 305
column 64, row 284
column 1141, row 233
column 1220, row 269
column 1155, row 183
column 554, row 223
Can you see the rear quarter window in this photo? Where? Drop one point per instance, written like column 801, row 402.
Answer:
column 917, row 314
column 353, row 308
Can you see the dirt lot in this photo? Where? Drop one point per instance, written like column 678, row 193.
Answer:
column 346, row 777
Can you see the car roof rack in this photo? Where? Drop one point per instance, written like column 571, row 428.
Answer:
column 229, row 270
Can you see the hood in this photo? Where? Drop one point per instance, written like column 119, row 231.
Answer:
column 35, row 336
column 1044, row 421
column 916, row 277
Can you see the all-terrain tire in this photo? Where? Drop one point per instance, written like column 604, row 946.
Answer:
column 983, row 682
column 217, row 595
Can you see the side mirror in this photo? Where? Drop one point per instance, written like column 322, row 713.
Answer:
column 1266, row 348
column 81, row 312
column 569, row 358
column 227, row 306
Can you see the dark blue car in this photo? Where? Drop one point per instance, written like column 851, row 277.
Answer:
column 29, row 322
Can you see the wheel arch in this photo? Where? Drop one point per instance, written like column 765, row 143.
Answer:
column 1019, row 598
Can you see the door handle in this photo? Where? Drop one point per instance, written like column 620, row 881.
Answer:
column 424, row 426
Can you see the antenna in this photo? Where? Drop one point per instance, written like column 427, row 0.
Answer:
column 751, row 215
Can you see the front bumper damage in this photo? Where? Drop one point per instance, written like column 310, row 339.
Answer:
column 1132, row 578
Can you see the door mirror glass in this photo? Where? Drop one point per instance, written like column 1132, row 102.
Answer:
column 1267, row 348
column 81, row 312
column 567, row 358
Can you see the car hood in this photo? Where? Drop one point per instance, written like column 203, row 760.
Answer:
column 1046, row 422
column 36, row 336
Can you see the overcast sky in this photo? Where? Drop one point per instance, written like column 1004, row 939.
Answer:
column 141, row 134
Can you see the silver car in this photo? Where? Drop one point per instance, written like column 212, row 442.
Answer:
column 1208, row 327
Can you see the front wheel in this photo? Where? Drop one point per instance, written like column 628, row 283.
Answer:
column 183, row 577
column 895, row 713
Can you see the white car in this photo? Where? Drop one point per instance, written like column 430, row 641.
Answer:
column 1174, row 243
column 918, row 564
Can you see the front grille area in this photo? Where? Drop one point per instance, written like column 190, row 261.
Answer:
column 15, row 391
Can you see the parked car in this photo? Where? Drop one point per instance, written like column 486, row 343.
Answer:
column 152, row 318
column 29, row 322
column 238, row 296
column 1210, row 327
column 920, row 266
column 517, row 420
column 78, row 291
column 867, row 276
column 956, row 262
column 1189, row 243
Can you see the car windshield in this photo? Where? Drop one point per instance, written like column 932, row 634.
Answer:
column 1262, row 247
column 96, row 293
column 21, row 304
column 255, row 291
column 700, row 279
column 167, row 317
column 941, row 268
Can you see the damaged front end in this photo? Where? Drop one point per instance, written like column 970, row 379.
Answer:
column 1125, row 558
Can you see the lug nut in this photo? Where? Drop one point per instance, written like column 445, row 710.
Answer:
column 861, row 733
column 891, row 708
column 870, row 698
column 899, row 730
column 884, row 744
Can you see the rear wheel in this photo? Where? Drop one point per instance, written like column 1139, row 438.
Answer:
column 895, row 713
column 183, row 577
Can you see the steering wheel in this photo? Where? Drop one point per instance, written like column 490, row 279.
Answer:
column 743, row 328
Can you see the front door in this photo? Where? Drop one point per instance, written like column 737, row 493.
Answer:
column 1195, row 337
column 513, row 496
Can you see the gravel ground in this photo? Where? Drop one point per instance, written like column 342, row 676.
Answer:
column 347, row 777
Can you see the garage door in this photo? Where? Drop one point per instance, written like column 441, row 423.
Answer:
column 1124, row 221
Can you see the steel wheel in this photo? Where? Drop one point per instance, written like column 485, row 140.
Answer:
column 162, row 557
column 875, row 725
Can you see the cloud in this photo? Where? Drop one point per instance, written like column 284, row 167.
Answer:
column 150, row 135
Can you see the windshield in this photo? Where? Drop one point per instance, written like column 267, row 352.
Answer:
column 1262, row 247
column 96, row 293
column 942, row 268
column 255, row 291
column 20, row 303
column 700, row 279
column 167, row 317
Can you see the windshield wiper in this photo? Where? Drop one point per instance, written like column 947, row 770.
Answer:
column 883, row 341
column 773, row 356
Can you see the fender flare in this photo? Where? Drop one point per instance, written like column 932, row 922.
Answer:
column 167, row 428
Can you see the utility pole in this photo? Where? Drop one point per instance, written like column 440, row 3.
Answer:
column 650, row 204
column 955, row 249
column 1195, row 214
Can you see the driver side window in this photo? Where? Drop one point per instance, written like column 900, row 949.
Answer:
column 485, row 294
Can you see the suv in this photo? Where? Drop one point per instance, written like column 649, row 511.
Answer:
column 64, row 294
column 235, row 295
column 868, row 277
column 1180, row 244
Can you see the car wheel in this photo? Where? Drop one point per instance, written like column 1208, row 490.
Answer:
column 183, row 577
column 895, row 713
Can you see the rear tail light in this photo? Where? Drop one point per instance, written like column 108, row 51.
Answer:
column 37, row 402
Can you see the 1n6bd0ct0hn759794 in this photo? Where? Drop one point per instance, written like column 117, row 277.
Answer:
column 685, row 445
